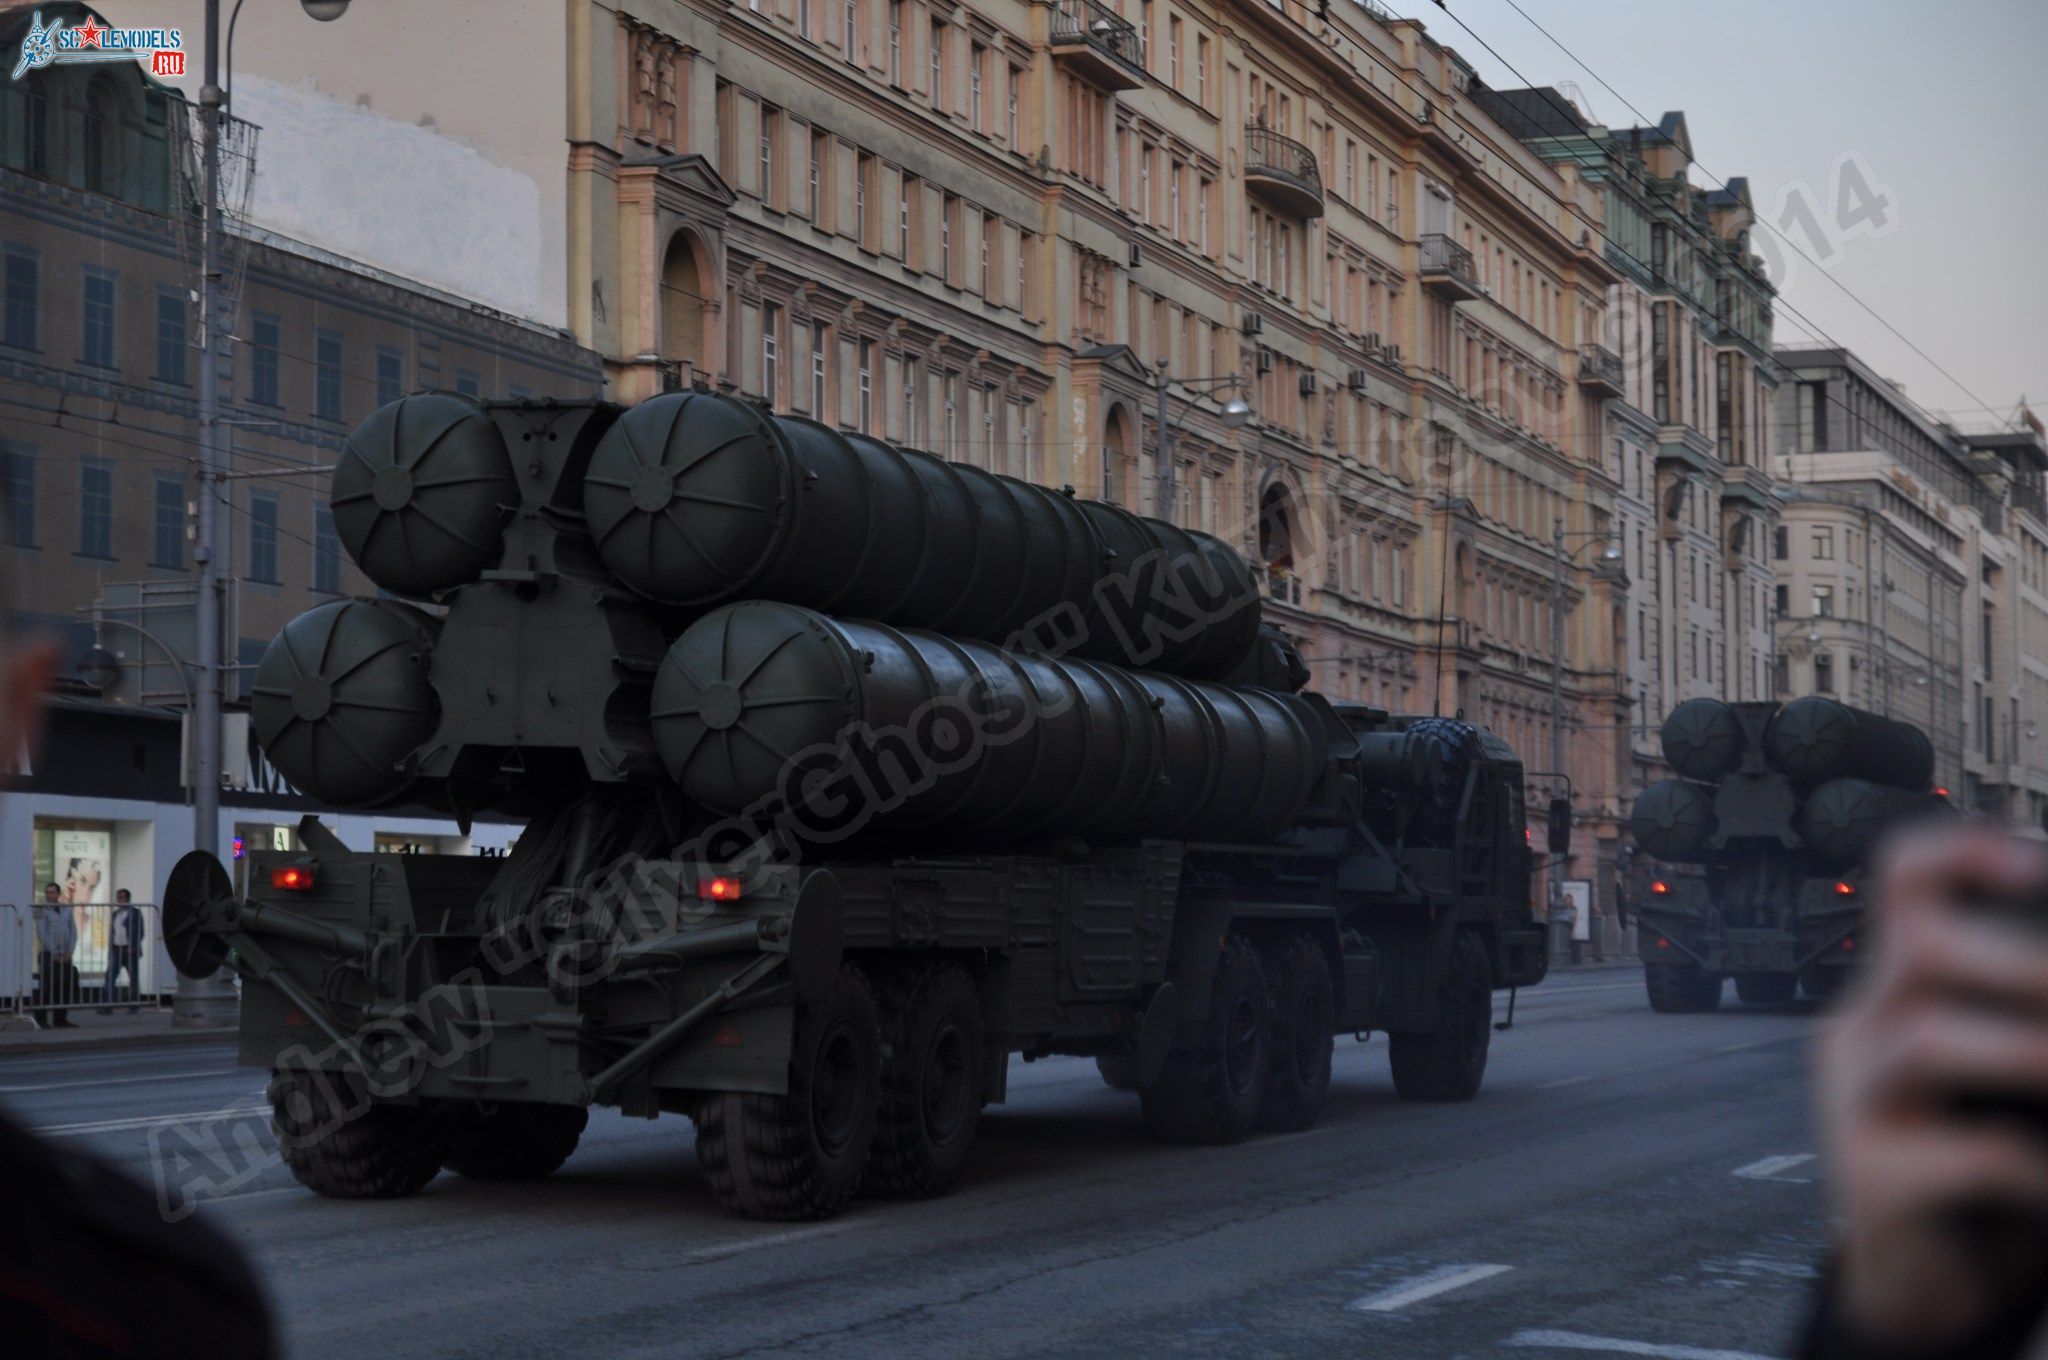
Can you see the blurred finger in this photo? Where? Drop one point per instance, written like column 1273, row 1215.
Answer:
column 1938, row 868
column 1942, row 1054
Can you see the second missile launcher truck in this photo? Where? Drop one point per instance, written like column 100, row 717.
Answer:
column 1770, row 825
column 847, row 774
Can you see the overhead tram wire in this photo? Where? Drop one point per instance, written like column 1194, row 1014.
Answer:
column 1719, row 183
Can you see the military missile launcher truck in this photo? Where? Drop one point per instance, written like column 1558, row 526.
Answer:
column 846, row 773
column 1771, row 820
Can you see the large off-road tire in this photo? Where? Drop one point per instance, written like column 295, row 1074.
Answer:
column 1450, row 1063
column 342, row 1147
column 1766, row 989
column 1679, row 988
column 1304, row 1002
column 800, row 1155
column 514, row 1142
column 1209, row 1093
column 933, row 1061
column 1119, row 1070
column 1822, row 984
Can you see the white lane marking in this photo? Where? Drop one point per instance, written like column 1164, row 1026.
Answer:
column 151, row 1121
column 1439, row 1281
column 1773, row 1168
column 741, row 1248
column 1542, row 990
column 1565, row 1081
column 1614, row 1345
column 1756, row 1043
column 119, row 1081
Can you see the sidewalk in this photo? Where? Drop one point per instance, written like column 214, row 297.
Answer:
column 152, row 1025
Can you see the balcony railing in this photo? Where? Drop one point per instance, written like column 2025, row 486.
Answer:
column 1099, row 43
column 1446, row 266
column 1283, row 172
column 1600, row 370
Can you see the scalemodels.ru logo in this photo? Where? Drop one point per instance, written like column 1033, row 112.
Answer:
column 56, row 44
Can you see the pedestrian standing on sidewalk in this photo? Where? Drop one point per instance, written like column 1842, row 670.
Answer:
column 57, row 933
column 124, row 948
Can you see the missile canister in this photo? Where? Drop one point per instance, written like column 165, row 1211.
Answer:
column 701, row 499
column 342, row 699
column 1674, row 819
column 1815, row 739
column 1843, row 818
column 422, row 493
column 865, row 725
column 1703, row 739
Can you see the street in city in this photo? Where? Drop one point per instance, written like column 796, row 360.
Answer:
column 1626, row 1183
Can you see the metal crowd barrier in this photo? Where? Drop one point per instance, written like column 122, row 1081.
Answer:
column 109, row 961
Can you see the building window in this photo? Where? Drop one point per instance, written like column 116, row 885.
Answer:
column 327, row 375
column 96, row 319
column 1823, row 602
column 170, row 524
column 468, row 383
column 910, row 400
column 977, row 60
column 391, row 375
column 770, row 117
column 1015, row 99
column 171, row 337
column 1824, row 545
column 326, row 551
column 863, row 172
column 263, row 538
column 1202, row 71
column 1781, row 542
column 820, row 338
column 263, row 348
column 771, row 322
column 1173, row 51
column 866, row 414
column 17, row 498
column 904, row 196
column 938, row 65
column 95, row 509
column 896, row 42
column 24, row 280
column 816, row 193
column 946, row 211
column 849, row 31
column 1823, row 673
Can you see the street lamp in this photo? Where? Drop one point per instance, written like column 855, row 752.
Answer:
column 1236, row 414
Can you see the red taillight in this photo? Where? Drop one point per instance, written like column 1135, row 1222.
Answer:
column 1660, row 888
column 1845, row 889
column 1663, row 943
column 292, row 878
column 1528, row 838
column 719, row 888
column 1848, row 942
column 1941, row 793
column 296, row 1019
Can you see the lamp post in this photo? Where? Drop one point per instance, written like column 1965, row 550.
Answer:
column 1237, row 413
column 211, row 1000
column 1610, row 553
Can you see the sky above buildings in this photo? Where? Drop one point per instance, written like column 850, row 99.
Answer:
column 1897, row 144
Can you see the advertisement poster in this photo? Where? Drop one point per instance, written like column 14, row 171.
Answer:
column 79, row 860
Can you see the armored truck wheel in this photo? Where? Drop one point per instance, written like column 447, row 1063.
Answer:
column 1119, row 1070
column 932, row 1064
column 513, row 1142
column 343, row 1146
column 1766, row 989
column 1676, row 988
column 800, row 1155
column 1304, row 1004
column 1210, row 1092
column 1450, row 1063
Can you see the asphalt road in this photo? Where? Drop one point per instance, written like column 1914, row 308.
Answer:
column 1626, row 1184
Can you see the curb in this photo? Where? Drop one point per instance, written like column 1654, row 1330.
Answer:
column 85, row 1043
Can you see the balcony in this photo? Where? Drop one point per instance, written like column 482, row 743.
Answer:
column 1282, row 172
column 1600, row 371
column 1446, row 267
column 1097, row 44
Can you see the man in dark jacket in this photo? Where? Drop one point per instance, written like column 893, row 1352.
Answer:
column 125, row 933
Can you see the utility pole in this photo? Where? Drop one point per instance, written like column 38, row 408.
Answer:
column 1557, row 688
column 210, row 1000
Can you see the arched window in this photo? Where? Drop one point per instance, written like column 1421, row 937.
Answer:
column 683, row 311
column 35, row 127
